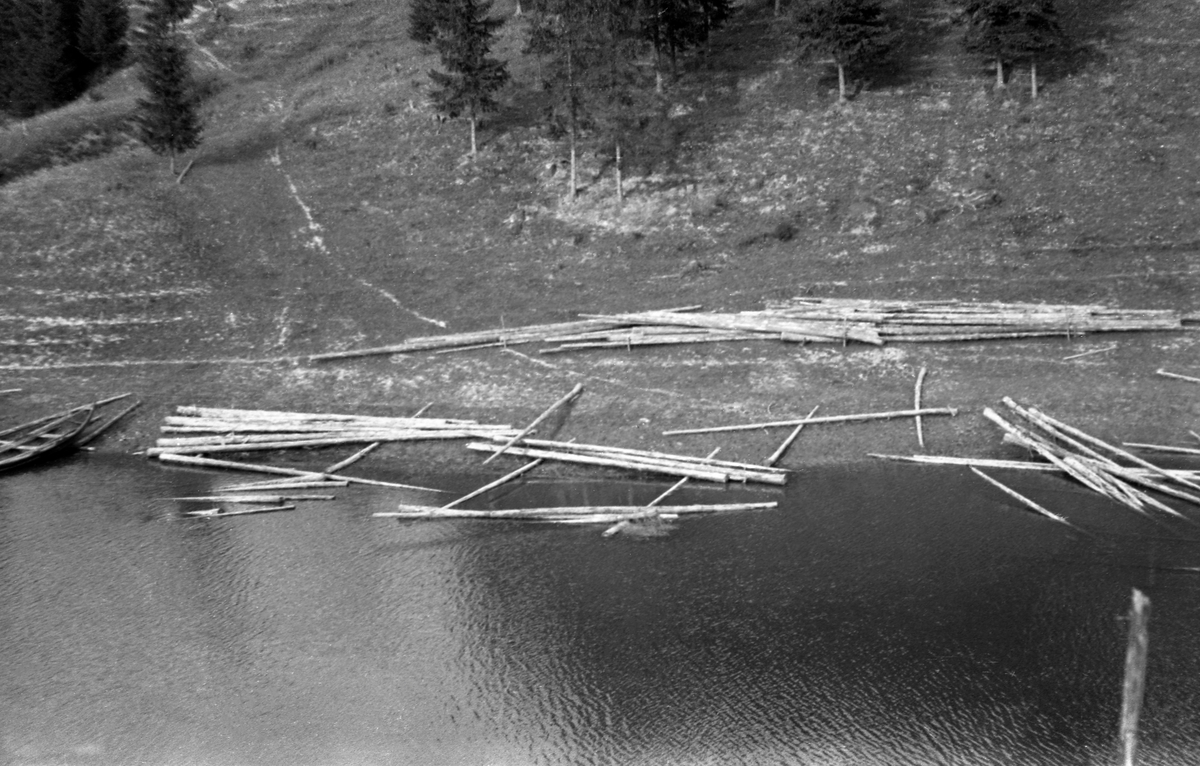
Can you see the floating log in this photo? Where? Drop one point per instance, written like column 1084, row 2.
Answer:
column 567, row 512
column 1017, row 465
column 536, row 421
column 825, row 419
column 1133, row 690
column 1060, row 427
column 598, row 450
column 1019, row 497
column 216, row 513
column 256, row 498
column 91, row 435
column 492, row 485
column 1163, row 448
column 357, row 456
column 269, row 486
column 676, row 469
column 757, row 321
column 206, row 462
column 651, row 510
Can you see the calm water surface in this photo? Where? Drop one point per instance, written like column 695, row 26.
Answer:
column 901, row 615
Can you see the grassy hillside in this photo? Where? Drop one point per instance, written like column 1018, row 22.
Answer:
column 326, row 208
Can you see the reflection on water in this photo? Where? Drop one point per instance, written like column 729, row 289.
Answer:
column 903, row 615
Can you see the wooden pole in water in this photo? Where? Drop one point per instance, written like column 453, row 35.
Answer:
column 825, row 419
column 525, row 432
column 1134, row 689
column 917, row 406
column 506, row 477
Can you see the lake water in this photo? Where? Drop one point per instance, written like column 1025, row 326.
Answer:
column 896, row 615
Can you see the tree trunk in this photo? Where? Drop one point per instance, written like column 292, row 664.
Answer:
column 574, row 116
column 1033, row 90
column 620, row 191
column 172, row 162
column 841, row 84
column 574, row 185
column 518, row 11
column 999, row 73
column 777, row 2
column 474, row 146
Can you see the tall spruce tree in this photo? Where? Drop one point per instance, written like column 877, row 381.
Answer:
column 851, row 32
column 1010, row 30
column 673, row 26
column 100, row 36
column 37, row 69
column 468, row 86
column 168, row 118
column 426, row 16
column 613, row 87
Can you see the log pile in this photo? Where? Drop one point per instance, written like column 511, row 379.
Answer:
column 803, row 320
column 702, row 469
column 212, row 430
column 946, row 321
column 1104, row 468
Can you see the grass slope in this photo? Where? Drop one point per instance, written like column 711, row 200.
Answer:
column 327, row 209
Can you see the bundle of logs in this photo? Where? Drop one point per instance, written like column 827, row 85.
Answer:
column 213, row 429
column 1107, row 469
column 804, row 320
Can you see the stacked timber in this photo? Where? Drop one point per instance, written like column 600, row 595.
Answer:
column 945, row 321
column 699, row 468
column 1104, row 468
column 804, row 320
column 213, row 430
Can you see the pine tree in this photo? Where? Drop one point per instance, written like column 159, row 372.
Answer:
column 673, row 26
column 469, row 84
column 424, row 18
column 1012, row 29
column 168, row 119
column 613, row 91
column 100, row 36
column 37, row 71
column 851, row 32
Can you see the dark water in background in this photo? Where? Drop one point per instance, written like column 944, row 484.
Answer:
column 904, row 615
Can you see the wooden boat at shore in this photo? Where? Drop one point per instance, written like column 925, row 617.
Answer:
column 43, row 438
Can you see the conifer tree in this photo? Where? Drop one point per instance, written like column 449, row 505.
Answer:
column 168, row 118
column 851, row 32
column 468, row 86
column 424, row 18
column 673, row 26
column 1012, row 29
column 36, row 70
column 100, row 35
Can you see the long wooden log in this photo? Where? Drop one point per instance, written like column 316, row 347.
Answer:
column 753, row 321
column 970, row 461
column 651, row 511
column 357, row 456
column 284, row 484
column 917, row 406
column 1163, row 448
column 574, row 392
column 1177, row 376
column 1019, row 497
column 96, row 433
column 1133, row 689
column 1069, row 464
column 492, row 485
column 567, row 457
column 526, row 334
column 433, row 512
column 605, row 450
column 778, row 453
column 215, row 513
column 228, row 413
column 824, row 419
column 330, row 441
column 207, row 462
column 1111, row 448
column 251, row 498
